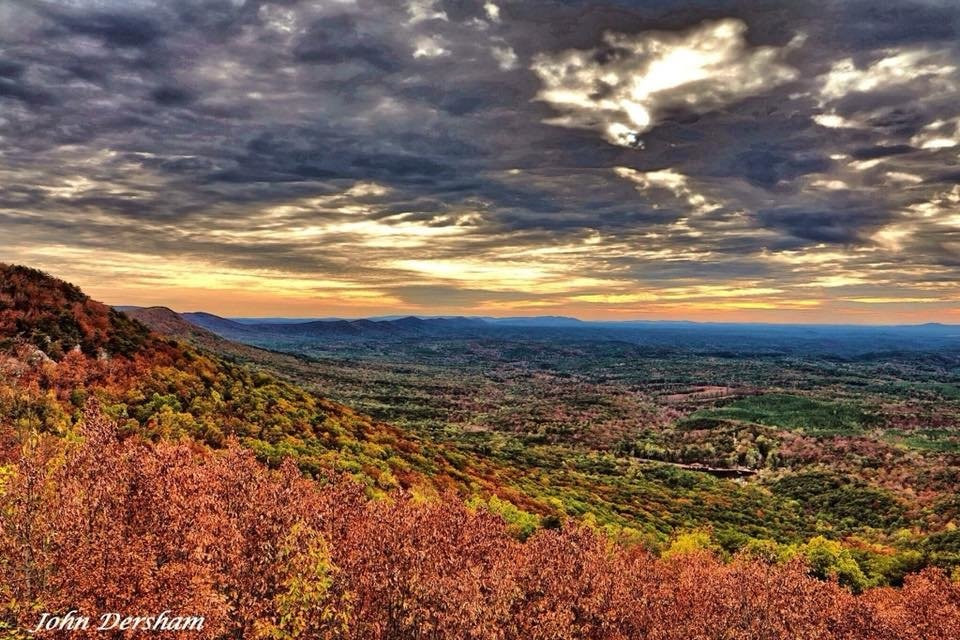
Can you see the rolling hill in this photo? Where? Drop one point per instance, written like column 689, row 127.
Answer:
column 169, row 323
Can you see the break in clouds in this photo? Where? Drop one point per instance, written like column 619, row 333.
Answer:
column 600, row 158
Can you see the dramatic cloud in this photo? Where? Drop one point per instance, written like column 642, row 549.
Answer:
column 604, row 158
column 630, row 83
column 864, row 96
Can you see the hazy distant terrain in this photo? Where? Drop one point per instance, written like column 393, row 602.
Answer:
column 842, row 341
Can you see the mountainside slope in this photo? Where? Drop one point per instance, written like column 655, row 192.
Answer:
column 169, row 323
column 160, row 387
column 56, row 316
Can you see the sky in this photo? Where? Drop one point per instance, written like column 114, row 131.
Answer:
column 704, row 160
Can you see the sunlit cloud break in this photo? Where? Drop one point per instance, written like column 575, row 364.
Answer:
column 623, row 88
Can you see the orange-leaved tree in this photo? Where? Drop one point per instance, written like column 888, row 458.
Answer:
column 98, row 522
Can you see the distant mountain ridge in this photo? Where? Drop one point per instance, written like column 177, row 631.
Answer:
column 170, row 323
column 710, row 338
column 407, row 326
column 201, row 318
column 543, row 321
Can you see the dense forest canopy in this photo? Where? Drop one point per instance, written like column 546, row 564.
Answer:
column 109, row 524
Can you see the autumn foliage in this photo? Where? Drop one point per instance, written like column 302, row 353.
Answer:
column 56, row 316
column 140, row 475
column 98, row 522
column 59, row 348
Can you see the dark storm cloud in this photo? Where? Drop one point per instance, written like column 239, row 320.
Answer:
column 870, row 24
column 13, row 88
column 338, row 39
column 768, row 167
column 170, row 96
column 120, row 29
column 881, row 151
column 225, row 128
column 830, row 226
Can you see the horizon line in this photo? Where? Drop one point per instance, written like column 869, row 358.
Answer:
column 386, row 317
